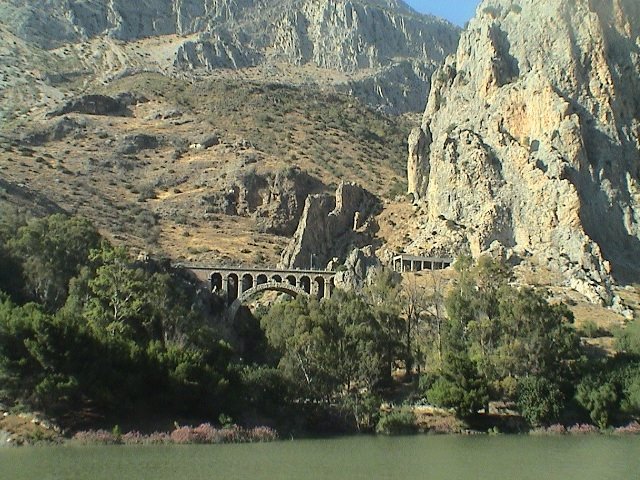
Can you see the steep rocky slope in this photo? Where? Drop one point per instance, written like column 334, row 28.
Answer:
column 529, row 144
column 380, row 50
column 204, row 172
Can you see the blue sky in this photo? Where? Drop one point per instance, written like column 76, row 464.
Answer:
column 456, row 11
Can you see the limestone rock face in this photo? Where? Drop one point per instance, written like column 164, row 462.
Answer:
column 358, row 269
column 276, row 200
column 331, row 226
column 393, row 47
column 218, row 51
column 531, row 135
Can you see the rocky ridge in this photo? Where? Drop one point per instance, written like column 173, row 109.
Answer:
column 387, row 50
column 529, row 144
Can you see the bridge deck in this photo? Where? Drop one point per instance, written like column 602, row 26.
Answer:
column 259, row 270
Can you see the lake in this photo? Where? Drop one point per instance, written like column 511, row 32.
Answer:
column 429, row 457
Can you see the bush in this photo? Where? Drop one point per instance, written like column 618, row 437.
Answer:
column 590, row 329
column 628, row 338
column 539, row 400
column 599, row 398
column 147, row 192
column 397, row 422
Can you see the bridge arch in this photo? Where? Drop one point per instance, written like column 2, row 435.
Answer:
column 319, row 286
column 305, row 284
column 247, row 282
column 282, row 287
column 216, row 282
column 233, row 286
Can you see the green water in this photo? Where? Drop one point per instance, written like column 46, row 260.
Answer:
column 427, row 457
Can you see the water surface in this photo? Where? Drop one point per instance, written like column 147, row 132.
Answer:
column 427, row 457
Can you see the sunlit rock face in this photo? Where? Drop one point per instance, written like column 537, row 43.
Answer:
column 529, row 141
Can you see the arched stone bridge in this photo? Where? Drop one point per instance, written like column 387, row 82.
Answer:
column 238, row 284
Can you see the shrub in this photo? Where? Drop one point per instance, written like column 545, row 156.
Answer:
column 147, row 192
column 539, row 400
column 590, row 329
column 397, row 422
column 95, row 437
column 582, row 429
column 600, row 399
column 207, row 434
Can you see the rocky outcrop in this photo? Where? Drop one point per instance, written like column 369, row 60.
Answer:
column 350, row 35
column 357, row 270
column 220, row 50
column 19, row 197
column 135, row 143
column 276, row 200
column 331, row 226
column 94, row 105
column 55, row 130
column 283, row 201
column 393, row 89
column 531, row 136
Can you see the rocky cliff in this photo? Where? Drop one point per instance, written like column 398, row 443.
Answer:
column 396, row 48
column 530, row 140
column 331, row 226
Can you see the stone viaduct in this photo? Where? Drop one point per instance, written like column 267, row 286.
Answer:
column 238, row 284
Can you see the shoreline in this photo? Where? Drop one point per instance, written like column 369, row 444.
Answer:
column 206, row 434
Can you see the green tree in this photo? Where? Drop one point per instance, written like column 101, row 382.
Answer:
column 52, row 251
column 11, row 275
column 384, row 296
column 120, row 300
column 631, row 401
column 335, row 348
column 46, row 361
column 459, row 386
column 506, row 335
column 628, row 338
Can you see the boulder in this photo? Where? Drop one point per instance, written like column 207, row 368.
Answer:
column 132, row 144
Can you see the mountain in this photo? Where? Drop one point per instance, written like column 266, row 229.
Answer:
column 380, row 50
column 529, row 143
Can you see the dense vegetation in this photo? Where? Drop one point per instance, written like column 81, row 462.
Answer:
column 88, row 334
column 101, row 335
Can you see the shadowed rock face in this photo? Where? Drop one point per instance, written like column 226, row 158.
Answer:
column 401, row 47
column 530, row 138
